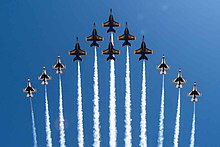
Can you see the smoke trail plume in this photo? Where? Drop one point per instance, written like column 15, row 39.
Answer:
column 96, row 127
column 47, row 117
column 33, row 125
column 80, row 113
column 61, row 118
column 127, row 104
column 192, row 139
column 143, row 136
column 161, row 124
column 177, row 126
column 112, row 107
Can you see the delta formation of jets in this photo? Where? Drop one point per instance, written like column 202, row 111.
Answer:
column 143, row 50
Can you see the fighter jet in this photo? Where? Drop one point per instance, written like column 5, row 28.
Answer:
column 29, row 90
column 163, row 66
column 44, row 77
column 143, row 50
column 111, row 51
column 126, row 36
column 59, row 66
column 194, row 93
column 77, row 51
column 94, row 37
column 179, row 80
column 111, row 23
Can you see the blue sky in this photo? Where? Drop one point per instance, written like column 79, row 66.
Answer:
column 34, row 33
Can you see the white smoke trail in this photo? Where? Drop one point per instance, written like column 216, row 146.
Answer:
column 80, row 113
column 47, row 117
column 177, row 126
column 96, row 127
column 161, row 124
column 112, row 107
column 192, row 140
column 33, row 125
column 61, row 118
column 143, row 136
column 127, row 104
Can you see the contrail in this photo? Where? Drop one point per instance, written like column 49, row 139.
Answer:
column 80, row 113
column 127, row 104
column 61, row 118
column 47, row 117
column 143, row 136
column 192, row 140
column 96, row 127
column 177, row 126
column 112, row 107
column 161, row 124
column 33, row 125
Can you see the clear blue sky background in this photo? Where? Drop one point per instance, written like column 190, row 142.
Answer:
column 34, row 33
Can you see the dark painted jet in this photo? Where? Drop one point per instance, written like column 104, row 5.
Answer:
column 44, row 77
column 110, row 51
column 143, row 50
column 77, row 51
column 94, row 37
column 59, row 66
column 111, row 23
column 29, row 90
column 163, row 66
column 194, row 93
column 126, row 36
column 179, row 80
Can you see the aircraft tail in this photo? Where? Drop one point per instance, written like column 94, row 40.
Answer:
column 59, row 72
column 179, row 86
column 44, row 83
column 111, row 29
column 143, row 57
column 126, row 43
column 163, row 72
column 110, row 57
column 77, row 58
column 194, row 99
column 94, row 44
column 29, row 95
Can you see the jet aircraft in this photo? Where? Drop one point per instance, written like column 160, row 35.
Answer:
column 163, row 66
column 94, row 37
column 77, row 51
column 111, row 23
column 29, row 90
column 194, row 93
column 44, row 77
column 179, row 80
column 143, row 50
column 59, row 66
column 111, row 51
column 126, row 36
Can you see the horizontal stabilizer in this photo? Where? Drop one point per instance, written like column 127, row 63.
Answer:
column 111, row 30
column 194, row 99
column 143, row 57
column 94, row 44
column 59, row 72
column 77, row 58
column 179, row 86
column 163, row 72
column 44, row 83
column 29, row 95
column 110, row 58
column 126, row 43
